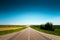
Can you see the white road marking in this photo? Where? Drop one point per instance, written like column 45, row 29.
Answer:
column 29, row 34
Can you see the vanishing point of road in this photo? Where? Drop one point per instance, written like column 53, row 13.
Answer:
column 26, row 34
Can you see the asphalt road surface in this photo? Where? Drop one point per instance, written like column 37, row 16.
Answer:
column 26, row 34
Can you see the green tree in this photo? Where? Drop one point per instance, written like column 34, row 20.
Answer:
column 49, row 26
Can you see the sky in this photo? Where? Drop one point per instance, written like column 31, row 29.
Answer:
column 21, row 12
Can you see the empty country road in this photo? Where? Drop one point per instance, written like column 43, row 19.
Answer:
column 27, row 34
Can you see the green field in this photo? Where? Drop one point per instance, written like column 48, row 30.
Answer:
column 55, row 32
column 6, row 29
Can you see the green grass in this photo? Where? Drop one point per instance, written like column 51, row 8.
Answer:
column 11, row 31
column 55, row 32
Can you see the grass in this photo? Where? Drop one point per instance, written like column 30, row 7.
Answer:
column 55, row 32
column 9, row 28
column 6, row 30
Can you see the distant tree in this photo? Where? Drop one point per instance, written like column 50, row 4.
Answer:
column 42, row 27
column 47, row 26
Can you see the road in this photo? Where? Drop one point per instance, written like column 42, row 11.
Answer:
column 26, row 34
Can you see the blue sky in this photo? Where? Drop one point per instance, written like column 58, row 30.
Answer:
column 29, row 12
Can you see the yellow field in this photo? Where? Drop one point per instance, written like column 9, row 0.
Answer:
column 9, row 28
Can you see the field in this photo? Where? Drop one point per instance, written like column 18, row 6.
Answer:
column 6, row 29
column 55, row 32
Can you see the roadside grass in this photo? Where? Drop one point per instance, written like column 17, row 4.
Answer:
column 11, row 30
column 8, row 28
column 55, row 32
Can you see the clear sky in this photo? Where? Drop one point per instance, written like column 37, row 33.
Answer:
column 29, row 11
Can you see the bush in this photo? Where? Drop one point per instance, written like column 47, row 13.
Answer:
column 42, row 26
column 47, row 26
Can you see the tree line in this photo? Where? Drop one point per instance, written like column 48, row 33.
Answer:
column 47, row 26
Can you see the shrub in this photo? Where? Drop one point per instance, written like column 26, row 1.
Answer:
column 47, row 26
